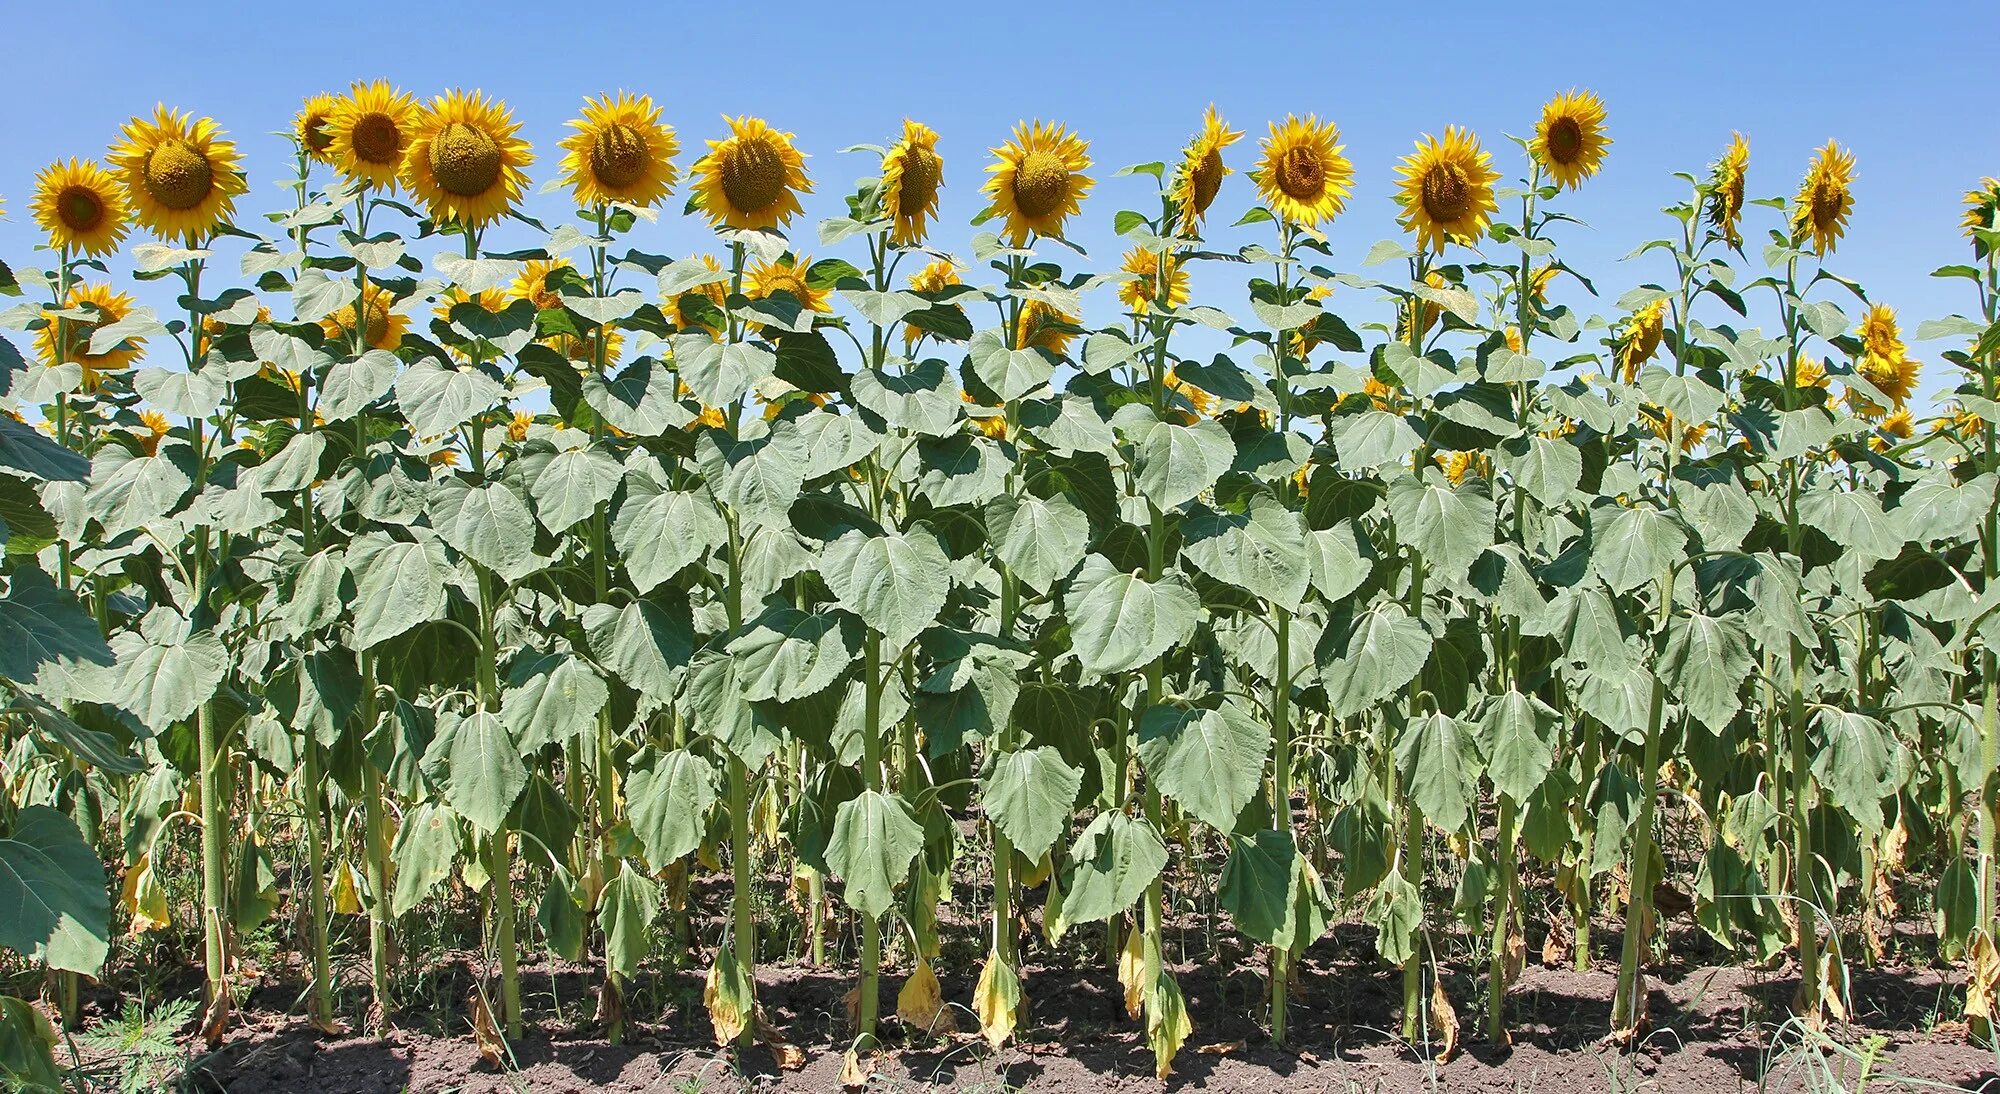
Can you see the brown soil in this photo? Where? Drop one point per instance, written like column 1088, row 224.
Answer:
column 1714, row 1029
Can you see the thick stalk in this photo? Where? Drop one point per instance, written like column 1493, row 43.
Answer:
column 1638, row 907
column 1503, row 921
column 375, row 820
column 1411, row 858
column 871, row 777
column 1281, row 800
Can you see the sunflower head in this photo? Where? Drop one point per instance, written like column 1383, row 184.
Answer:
column 491, row 300
column 1641, row 337
column 1303, row 178
column 1460, row 466
column 540, row 280
column 369, row 131
column 180, row 174
column 1540, row 280
column 1045, row 326
column 109, row 306
column 1885, row 360
column 1661, row 422
column 785, row 274
column 1825, row 198
column 1725, row 190
column 912, row 174
column 81, row 206
column 1143, row 291
column 1303, row 342
column 1424, row 312
column 751, row 178
column 1982, row 214
column 312, row 128
column 1202, row 170
column 620, row 152
column 583, row 348
column 1447, row 189
column 1569, row 141
column 1898, row 426
column 517, row 426
column 686, row 317
column 939, row 275
column 152, row 427
column 1037, row 180
column 1200, row 403
column 464, row 161
column 987, row 418
column 379, row 326
column 1808, row 372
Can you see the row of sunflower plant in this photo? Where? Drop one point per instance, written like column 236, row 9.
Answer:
column 550, row 581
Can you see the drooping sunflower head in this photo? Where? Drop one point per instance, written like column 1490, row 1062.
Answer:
column 464, row 161
column 1447, row 189
column 1143, row 291
column 620, row 152
column 1808, row 372
column 1885, row 360
column 1880, row 335
column 540, row 281
column 518, row 426
column 379, row 325
column 1419, row 311
column 1725, row 190
column 939, row 275
column 583, row 348
column 108, row 306
column 1513, row 337
column 1036, row 180
column 687, row 317
column 786, row 274
column 180, row 174
column 751, row 178
column 1661, row 422
column 1982, row 214
column 1825, row 198
column 1641, row 337
column 369, row 132
column 912, row 174
column 81, row 206
column 1202, row 170
column 1303, row 178
column 1200, row 403
column 1569, row 141
column 1044, row 325
column 1540, row 280
column 1898, row 426
column 312, row 127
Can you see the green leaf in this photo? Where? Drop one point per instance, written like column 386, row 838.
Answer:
column 760, row 478
column 1440, row 769
column 1041, row 540
column 646, row 643
column 1363, row 660
column 426, row 849
column 24, row 449
column 896, row 582
column 1210, row 761
column 397, row 585
column 1630, row 547
column 875, row 839
column 43, row 626
column 489, row 524
column 1257, row 884
column 659, row 533
column 554, row 706
column 720, row 373
column 1517, row 733
column 1548, row 470
column 168, row 669
column 486, row 769
column 1261, row 550
column 1856, row 764
column 52, row 887
column 923, row 398
column 669, row 796
column 1372, row 439
column 1120, row 622
column 631, row 900
column 1030, row 794
column 1009, row 374
column 1705, row 663
column 571, row 485
column 1176, row 462
column 1449, row 526
column 437, row 400
column 786, row 654
column 1111, row 863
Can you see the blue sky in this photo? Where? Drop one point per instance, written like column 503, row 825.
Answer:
column 1901, row 89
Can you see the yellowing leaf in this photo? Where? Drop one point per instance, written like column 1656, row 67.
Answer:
column 346, row 893
column 484, row 1033
column 1132, row 971
column 728, row 997
column 1444, row 1018
column 997, row 1000
column 1167, row 1024
column 920, row 1002
column 144, row 899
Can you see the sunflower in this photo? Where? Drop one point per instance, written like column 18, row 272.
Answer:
column 1982, row 214
column 1513, row 336
column 1808, row 372
column 537, row 282
column 912, row 173
column 1202, row 170
column 1382, row 395
column 991, row 419
column 710, row 416
column 152, row 426
column 1303, row 178
column 81, row 206
column 180, row 175
column 1140, row 293
column 1459, row 466
column 1045, row 326
column 1825, row 198
column 1038, row 180
column 1725, row 190
column 785, row 274
column 381, row 327
column 1447, row 189
column 1957, row 418
column 492, row 300
column 751, row 178
column 1661, row 421
column 582, row 348
column 1569, row 140
column 1898, row 426
column 936, row 277
column 1425, row 311
column 1303, row 342
column 517, row 426
column 1201, row 403
column 1885, row 360
column 464, row 161
column 620, row 152
column 369, row 132
column 715, row 292
column 110, row 306
column 1642, row 336
column 1540, row 280
column 312, row 128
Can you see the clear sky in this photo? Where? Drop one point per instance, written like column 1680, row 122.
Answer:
column 1908, row 89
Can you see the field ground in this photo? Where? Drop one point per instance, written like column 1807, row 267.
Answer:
column 1716, row 1028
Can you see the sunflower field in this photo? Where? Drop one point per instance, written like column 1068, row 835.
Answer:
column 646, row 611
